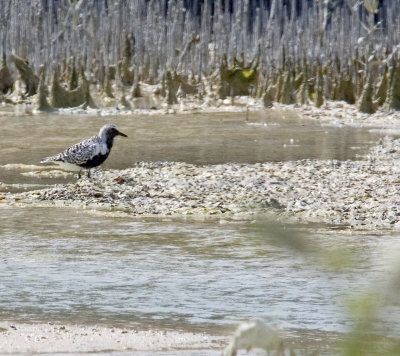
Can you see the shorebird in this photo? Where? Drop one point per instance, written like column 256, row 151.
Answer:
column 88, row 153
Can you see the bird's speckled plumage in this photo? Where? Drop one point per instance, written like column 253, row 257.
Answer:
column 88, row 153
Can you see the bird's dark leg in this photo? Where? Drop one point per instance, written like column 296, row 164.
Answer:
column 88, row 173
column 79, row 174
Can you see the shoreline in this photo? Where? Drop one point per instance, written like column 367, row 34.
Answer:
column 60, row 338
column 332, row 112
column 341, row 113
column 16, row 338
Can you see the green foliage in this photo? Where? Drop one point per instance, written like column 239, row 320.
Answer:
column 365, row 338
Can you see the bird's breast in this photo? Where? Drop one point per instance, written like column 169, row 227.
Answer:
column 100, row 149
column 95, row 161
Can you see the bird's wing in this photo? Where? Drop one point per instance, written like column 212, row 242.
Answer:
column 81, row 152
column 77, row 154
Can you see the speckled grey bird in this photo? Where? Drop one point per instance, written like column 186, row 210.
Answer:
column 88, row 153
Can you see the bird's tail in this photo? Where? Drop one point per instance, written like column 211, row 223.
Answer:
column 49, row 159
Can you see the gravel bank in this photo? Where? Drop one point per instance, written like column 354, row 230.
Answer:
column 16, row 338
column 358, row 194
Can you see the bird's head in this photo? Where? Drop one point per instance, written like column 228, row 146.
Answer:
column 110, row 131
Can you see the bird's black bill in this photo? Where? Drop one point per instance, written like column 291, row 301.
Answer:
column 122, row 134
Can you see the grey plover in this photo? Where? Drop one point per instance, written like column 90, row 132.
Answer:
column 88, row 153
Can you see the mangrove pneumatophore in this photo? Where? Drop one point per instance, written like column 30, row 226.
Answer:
column 30, row 79
column 246, row 48
column 64, row 98
column 393, row 98
column 367, row 104
column 43, row 104
column 6, row 79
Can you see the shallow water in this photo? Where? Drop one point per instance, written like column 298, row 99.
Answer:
column 72, row 266
column 193, row 138
column 68, row 266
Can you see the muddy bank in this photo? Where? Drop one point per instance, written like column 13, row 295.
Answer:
column 342, row 113
column 331, row 112
column 357, row 194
